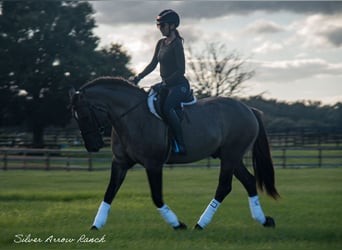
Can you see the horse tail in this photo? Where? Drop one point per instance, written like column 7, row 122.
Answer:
column 262, row 160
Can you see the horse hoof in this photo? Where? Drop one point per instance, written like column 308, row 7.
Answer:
column 94, row 228
column 269, row 222
column 198, row 227
column 181, row 226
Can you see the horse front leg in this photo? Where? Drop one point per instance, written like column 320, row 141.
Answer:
column 118, row 175
column 249, row 183
column 155, row 179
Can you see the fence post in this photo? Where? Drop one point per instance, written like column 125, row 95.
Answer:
column 319, row 156
column 90, row 162
column 24, row 160
column 5, row 160
column 47, row 160
column 284, row 157
column 208, row 162
column 67, row 161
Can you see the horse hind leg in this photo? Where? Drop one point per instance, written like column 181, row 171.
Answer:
column 249, row 183
column 223, row 189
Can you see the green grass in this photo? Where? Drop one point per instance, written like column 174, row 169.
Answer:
column 63, row 204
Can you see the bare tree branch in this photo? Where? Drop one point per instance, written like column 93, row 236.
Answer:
column 217, row 72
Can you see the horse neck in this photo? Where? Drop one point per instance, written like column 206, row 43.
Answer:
column 118, row 99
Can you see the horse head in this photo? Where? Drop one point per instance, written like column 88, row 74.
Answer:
column 91, row 119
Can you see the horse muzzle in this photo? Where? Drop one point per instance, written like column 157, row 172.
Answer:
column 93, row 143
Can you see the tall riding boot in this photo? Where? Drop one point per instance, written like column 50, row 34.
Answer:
column 175, row 125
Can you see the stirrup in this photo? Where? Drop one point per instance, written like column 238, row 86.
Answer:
column 178, row 149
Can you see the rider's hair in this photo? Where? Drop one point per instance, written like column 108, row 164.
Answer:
column 178, row 35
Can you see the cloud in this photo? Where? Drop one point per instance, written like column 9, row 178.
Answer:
column 296, row 70
column 320, row 31
column 296, row 45
column 268, row 47
column 264, row 27
column 333, row 35
column 192, row 34
column 145, row 11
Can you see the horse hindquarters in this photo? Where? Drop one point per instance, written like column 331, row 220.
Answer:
column 262, row 160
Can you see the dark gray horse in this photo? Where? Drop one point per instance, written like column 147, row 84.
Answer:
column 218, row 127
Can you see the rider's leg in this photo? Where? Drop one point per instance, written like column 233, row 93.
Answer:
column 172, row 100
column 175, row 124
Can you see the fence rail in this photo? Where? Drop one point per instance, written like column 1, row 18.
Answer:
column 57, row 138
column 287, row 157
column 63, row 159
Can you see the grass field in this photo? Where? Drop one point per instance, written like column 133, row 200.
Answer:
column 49, row 206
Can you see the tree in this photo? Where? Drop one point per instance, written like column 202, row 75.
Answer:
column 47, row 46
column 217, row 72
column 280, row 116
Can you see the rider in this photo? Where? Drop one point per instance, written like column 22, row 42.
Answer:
column 169, row 53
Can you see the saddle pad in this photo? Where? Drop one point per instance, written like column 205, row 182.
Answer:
column 153, row 97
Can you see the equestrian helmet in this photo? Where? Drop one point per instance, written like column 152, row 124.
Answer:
column 168, row 16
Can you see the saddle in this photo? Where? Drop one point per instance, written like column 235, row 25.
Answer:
column 154, row 102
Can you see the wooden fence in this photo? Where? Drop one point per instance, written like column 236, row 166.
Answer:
column 57, row 138
column 64, row 159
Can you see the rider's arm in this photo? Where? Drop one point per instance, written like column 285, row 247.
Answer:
column 153, row 64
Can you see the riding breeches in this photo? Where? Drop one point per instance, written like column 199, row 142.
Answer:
column 175, row 95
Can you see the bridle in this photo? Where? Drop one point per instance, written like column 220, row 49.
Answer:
column 100, row 127
column 92, row 108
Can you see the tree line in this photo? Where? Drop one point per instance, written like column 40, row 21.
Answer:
column 49, row 46
column 282, row 116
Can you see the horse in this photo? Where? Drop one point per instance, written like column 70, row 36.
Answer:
column 218, row 127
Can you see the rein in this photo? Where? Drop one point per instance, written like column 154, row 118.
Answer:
column 135, row 106
column 131, row 109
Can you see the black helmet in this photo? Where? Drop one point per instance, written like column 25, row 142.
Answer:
column 168, row 16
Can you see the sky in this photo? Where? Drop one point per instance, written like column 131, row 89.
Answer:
column 294, row 47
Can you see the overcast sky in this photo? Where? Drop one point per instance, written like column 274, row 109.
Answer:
column 294, row 47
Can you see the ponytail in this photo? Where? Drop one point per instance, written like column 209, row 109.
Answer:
column 179, row 36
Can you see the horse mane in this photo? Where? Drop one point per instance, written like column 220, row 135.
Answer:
column 110, row 82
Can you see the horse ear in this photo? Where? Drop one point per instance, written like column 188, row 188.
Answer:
column 72, row 92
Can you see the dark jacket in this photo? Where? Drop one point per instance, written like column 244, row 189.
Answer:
column 171, row 59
